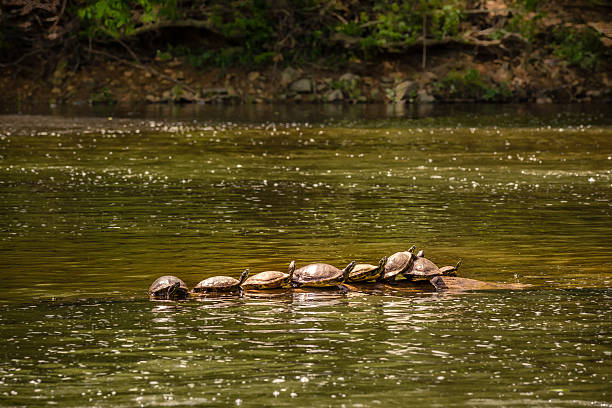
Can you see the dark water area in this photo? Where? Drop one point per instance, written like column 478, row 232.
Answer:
column 375, row 115
column 98, row 203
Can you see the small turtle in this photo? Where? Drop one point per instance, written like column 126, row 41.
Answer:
column 423, row 268
column 168, row 287
column 450, row 270
column 320, row 275
column 367, row 272
column 270, row 279
column 396, row 264
column 221, row 284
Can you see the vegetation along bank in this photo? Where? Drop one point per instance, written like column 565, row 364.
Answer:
column 318, row 51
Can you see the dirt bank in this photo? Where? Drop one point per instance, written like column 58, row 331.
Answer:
column 560, row 54
column 481, row 78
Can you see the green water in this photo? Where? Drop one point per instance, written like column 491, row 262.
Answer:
column 94, row 209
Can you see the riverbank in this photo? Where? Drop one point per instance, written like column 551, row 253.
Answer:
column 496, row 51
column 452, row 76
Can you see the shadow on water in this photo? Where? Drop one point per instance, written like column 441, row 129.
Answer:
column 427, row 114
column 521, row 348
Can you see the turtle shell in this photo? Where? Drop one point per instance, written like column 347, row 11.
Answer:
column 396, row 264
column 367, row 272
column 422, row 268
column 220, row 284
column 320, row 275
column 270, row 279
column 168, row 287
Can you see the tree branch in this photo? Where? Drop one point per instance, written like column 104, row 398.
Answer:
column 206, row 24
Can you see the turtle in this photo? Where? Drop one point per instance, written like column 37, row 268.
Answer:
column 221, row 284
column 168, row 287
column 423, row 268
column 450, row 270
column 367, row 272
column 396, row 264
column 320, row 275
column 270, row 279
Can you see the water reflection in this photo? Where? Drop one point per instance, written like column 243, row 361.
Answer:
column 314, row 349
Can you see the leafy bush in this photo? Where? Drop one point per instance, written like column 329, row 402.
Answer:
column 525, row 25
column 469, row 85
column 582, row 48
column 119, row 18
column 402, row 22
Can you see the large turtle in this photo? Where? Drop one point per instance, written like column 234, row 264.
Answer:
column 168, row 287
column 320, row 275
column 396, row 264
column 221, row 284
column 270, row 279
column 367, row 272
column 423, row 268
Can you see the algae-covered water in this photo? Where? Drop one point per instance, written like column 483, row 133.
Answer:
column 95, row 207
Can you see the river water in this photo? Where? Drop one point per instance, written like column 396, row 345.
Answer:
column 96, row 205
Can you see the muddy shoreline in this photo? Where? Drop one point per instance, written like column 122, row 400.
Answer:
column 399, row 81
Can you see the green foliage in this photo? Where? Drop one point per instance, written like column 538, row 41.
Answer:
column 526, row 26
column 349, row 87
column 104, row 97
column 163, row 56
column 402, row 22
column 530, row 5
column 470, row 85
column 251, row 23
column 258, row 32
column 119, row 18
column 176, row 92
column 582, row 48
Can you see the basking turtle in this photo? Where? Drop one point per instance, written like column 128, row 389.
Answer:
column 221, row 284
column 450, row 270
column 396, row 264
column 168, row 287
column 320, row 275
column 270, row 279
column 366, row 272
column 423, row 268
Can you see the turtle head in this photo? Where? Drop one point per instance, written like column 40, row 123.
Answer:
column 412, row 248
column 291, row 269
column 382, row 263
column 244, row 276
column 348, row 270
column 458, row 264
column 172, row 289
